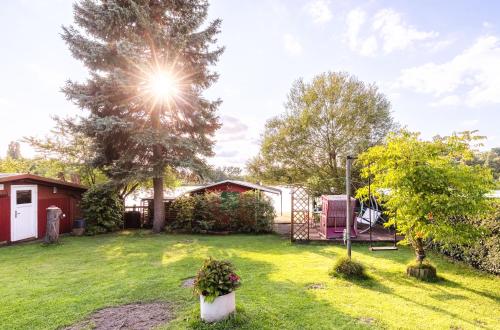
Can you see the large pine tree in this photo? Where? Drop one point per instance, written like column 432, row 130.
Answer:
column 135, row 51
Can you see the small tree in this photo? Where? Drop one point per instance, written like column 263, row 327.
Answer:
column 430, row 190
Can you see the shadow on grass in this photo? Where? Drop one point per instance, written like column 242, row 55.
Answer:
column 451, row 284
column 265, row 303
column 435, row 292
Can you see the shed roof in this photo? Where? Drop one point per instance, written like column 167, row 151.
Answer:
column 249, row 185
column 8, row 177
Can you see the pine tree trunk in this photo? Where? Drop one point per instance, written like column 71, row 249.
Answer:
column 159, row 207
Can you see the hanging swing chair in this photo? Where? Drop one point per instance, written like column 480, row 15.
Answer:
column 370, row 214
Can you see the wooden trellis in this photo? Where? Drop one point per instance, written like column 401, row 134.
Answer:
column 299, row 230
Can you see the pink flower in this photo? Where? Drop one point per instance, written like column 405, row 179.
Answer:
column 233, row 277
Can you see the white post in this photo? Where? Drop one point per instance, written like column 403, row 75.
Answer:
column 348, row 203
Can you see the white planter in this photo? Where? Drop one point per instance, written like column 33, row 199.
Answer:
column 219, row 309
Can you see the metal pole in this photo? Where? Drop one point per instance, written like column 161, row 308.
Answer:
column 292, row 216
column 348, row 204
column 281, row 203
column 369, row 206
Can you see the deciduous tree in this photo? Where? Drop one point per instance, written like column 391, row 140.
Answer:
column 333, row 116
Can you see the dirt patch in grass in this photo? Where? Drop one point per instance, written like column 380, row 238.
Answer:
column 131, row 317
column 367, row 320
column 188, row 282
column 316, row 286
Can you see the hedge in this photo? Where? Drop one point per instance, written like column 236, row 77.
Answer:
column 249, row 212
column 483, row 254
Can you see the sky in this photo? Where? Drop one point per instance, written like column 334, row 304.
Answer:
column 438, row 62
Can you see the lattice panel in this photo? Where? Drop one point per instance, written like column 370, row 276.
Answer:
column 300, row 215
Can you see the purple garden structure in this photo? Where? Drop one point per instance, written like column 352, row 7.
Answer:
column 333, row 216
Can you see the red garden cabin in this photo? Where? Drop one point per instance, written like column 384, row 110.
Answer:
column 24, row 199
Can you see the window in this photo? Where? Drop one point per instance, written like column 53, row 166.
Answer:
column 23, row 197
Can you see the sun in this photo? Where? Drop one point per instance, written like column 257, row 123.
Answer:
column 163, row 85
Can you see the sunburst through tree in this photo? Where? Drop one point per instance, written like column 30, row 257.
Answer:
column 149, row 62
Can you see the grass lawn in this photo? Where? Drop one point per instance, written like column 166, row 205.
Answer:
column 49, row 287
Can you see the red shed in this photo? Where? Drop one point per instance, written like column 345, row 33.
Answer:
column 24, row 199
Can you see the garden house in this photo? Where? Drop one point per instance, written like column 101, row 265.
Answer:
column 333, row 220
column 24, row 199
column 234, row 186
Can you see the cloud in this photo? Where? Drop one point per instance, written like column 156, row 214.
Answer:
column 447, row 101
column 395, row 33
column 232, row 125
column 387, row 31
column 292, row 45
column 475, row 73
column 355, row 20
column 435, row 46
column 227, row 153
column 232, row 129
column 319, row 11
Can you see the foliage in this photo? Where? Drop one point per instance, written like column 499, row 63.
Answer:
column 124, row 45
column 249, row 212
column 47, row 167
column 102, row 209
column 216, row 278
column 216, row 174
column 431, row 190
column 485, row 252
column 348, row 268
column 333, row 116
column 89, row 273
column 50, row 168
column 253, row 213
column 14, row 150
column 489, row 159
column 71, row 148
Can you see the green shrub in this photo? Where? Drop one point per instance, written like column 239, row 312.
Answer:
column 102, row 209
column 348, row 268
column 216, row 278
column 254, row 213
column 249, row 212
column 483, row 253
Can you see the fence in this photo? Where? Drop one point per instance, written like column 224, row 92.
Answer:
column 141, row 216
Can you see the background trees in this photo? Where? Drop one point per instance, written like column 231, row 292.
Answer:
column 134, row 50
column 71, row 148
column 431, row 190
column 333, row 116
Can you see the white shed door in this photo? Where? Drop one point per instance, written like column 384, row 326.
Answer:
column 23, row 216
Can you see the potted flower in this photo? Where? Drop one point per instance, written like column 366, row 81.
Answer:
column 215, row 283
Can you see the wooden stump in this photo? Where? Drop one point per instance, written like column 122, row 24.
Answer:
column 54, row 215
column 425, row 272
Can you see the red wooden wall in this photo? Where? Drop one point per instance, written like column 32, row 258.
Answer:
column 4, row 218
column 65, row 198
column 229, row 187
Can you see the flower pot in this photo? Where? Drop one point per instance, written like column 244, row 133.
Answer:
column 219, row 309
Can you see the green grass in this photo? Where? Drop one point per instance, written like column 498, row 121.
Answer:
column 49, row 287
